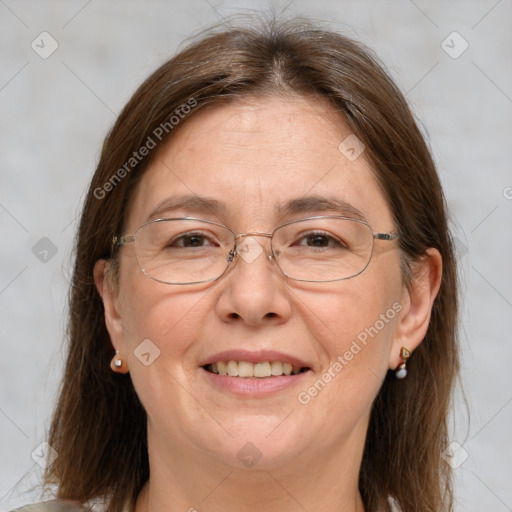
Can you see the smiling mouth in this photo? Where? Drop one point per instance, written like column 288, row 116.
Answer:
column 262, row 370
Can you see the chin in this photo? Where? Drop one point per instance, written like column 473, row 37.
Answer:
column 260, row 443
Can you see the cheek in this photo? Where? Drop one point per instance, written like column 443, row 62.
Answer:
column 169, row 316
column 161, row 325
column 356, row 345
column 354, row 322
column 347, row 312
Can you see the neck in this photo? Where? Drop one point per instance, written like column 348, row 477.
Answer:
column 186, row 480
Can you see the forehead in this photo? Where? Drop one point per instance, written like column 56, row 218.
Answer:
column 253, row 157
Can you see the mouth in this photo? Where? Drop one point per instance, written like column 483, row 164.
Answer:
column 258, row 370
column 254, row 373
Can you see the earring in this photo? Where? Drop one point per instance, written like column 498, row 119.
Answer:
column 401, row 370
column 118, row 363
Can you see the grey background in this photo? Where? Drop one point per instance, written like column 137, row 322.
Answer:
column 54, row 113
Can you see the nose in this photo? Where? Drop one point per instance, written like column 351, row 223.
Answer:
column 254, row 291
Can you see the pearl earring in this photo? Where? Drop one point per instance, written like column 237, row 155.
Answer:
column 401, row 370
column 118, row 362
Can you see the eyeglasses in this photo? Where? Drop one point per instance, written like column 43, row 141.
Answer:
column 192, row 251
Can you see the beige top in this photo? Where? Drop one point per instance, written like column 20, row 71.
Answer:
column 54, row 506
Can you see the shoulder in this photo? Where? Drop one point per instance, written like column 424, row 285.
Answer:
column 54, row 506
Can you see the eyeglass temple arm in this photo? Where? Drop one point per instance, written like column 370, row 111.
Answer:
column 385, row 236
column 121, row 240
column 117, row 241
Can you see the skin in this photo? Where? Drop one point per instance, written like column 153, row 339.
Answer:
column 253, row 155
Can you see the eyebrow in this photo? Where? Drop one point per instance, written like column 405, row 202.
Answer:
column 195, row 203
column 313, row 203
column 307, row 205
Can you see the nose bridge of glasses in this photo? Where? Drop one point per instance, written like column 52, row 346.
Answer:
column 247, row 250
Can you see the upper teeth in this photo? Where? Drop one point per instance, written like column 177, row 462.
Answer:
column 246, row 369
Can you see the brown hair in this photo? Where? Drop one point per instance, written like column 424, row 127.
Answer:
column 99, row 425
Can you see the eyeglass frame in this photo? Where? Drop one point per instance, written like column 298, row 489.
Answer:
column 121, row 240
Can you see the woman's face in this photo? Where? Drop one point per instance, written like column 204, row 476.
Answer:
column 241, row 165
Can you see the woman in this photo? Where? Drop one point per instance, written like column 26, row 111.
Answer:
column 262, row 252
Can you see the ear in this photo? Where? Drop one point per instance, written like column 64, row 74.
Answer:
column 113, row 320
column 417, row 301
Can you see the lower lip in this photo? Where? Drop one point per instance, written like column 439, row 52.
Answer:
column 253, row 386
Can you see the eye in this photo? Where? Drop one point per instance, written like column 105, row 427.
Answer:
column 192, row 240
column 320, row 240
